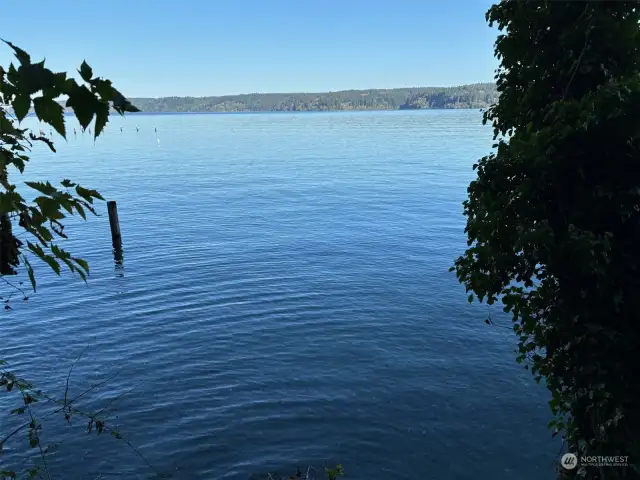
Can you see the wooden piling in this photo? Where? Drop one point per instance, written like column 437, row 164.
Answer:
column 114, row 222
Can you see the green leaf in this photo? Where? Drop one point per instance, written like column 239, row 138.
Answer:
column 70, row 265
column 49, row 208
column 19, row 163
column 17, row 411
column 83, row 103
column 45, row 188
column 20, row 54
column 59, row 252
column 55, row 266
column 104, row 88
column 85, row 71
column 102, row 117
column 50, row 112
column 67, row 183
column 83, row 264
column 34, row 78
column 82, row 274
column 67, row 205
column 7, row 203
column 29, row 268
column 88, row 194
column 121, row 104
column 21, row 104
column 80, row 210
column 45, row 140
column 59, row 80
column 34, row 442
column 36, row 249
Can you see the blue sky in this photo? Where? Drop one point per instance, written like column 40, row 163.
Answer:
column 215, row 47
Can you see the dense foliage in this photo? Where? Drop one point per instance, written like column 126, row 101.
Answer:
column 553, row 218
column 466, row 96
column 34, row 84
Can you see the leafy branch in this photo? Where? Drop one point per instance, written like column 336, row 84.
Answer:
column 67, row 406
column 33, row 87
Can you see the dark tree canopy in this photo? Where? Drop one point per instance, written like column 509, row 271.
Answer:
column 553, row 217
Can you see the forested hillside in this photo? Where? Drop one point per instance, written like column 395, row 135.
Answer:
column 466, row 96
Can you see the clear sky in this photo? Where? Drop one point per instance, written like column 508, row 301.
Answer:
column 152, row 48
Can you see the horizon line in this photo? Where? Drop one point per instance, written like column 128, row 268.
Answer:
column 311, row 92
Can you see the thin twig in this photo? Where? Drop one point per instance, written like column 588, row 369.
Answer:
column 12, row 285
column 130, row 445
column 116, row 398
column 68, row 408
column 4, row 440
column 93, row 387
column 35, row 429
column 66, row 390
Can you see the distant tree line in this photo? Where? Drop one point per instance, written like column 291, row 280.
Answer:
column 479, row 95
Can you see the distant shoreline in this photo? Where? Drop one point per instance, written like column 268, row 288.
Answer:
column 478, row 95
column 128, row 114
column 261, row 112
column 464, row 97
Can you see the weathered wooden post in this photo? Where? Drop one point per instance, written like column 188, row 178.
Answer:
column 114, row 222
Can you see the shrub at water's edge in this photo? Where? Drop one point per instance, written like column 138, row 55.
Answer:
column 553, row 218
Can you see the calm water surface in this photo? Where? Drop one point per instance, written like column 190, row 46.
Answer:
column 284, row 299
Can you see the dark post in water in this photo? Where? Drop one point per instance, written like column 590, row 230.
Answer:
column 114, row 222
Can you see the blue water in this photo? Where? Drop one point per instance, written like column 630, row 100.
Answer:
column 284, row 299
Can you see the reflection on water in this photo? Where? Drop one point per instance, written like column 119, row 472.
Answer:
column 118, row 260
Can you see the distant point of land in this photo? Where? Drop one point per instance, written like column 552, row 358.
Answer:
column 478, row 95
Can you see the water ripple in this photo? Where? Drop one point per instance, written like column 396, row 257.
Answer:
column 284, row 299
